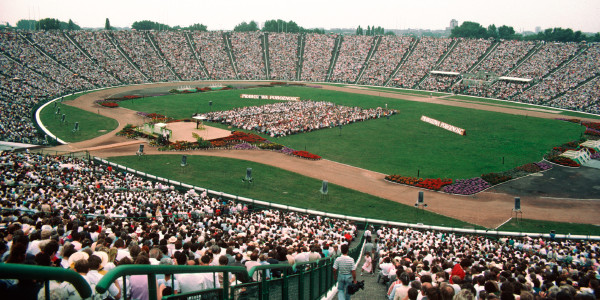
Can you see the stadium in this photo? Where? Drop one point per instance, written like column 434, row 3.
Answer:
column 187, row 143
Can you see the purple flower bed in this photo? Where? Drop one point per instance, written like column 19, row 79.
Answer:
column 244, row 146
column 595, row 155
column 544, row 166
column 467, row 186
column 286, row 150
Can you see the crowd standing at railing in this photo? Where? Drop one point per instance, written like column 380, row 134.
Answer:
column 286, row 118
column 442, row 266
column 68, row 213
column 248, row 52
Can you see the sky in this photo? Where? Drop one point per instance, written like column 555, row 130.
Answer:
column 523, row 15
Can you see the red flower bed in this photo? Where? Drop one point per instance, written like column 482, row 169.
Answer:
column 109, row 104
column 307, row 155
column 129, row 97
column 434, row 184
column 564, row 161
column 529, row 168
column 428, row 183
column 592, row 125
column 245, row 137
column 495, row 178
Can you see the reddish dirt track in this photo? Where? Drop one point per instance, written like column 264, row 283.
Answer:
column 486, row 209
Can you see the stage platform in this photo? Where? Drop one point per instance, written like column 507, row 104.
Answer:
column 182, row 131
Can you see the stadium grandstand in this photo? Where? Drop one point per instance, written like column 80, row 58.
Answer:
column 78, row 227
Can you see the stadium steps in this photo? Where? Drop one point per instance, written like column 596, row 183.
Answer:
column 227, row 42
column 407, row 54
column 27, row 67
column 301, row 41
column 114, row 42
column 42, row 51
column 573, row 88
column 76, row 44
column 334, row 56
column 367, row 62
column 190, row 43
column 489, row 51
column 160, row 54
column 265, row 48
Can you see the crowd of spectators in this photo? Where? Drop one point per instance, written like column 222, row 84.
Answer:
column 445, row 266
column 213, row 53
column 178, row 52
column 21, row 50
column 52, row 65
column 423, row 58
column 351, row 57
column 291, row 117
column 283, row 55
column 59, row 47
column 389, row 53
column 143, row 54
column 505, row 56
column 248, row 52
column 568, row 77
column 107, row 55
column 463, row 56
column 584, row 98
column 69, row 213
column 317, row 56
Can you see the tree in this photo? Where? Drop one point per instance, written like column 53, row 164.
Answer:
column 27, row 24
column 149, row 25
column 71, row 25
column 243, row 27
column 359, row 30
column 469, row 30
column 492, row 32
column 197, row 27
column 49, row 24
column 107, row 25
column 506, row 32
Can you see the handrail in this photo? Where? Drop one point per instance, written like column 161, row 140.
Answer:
column 21, row 271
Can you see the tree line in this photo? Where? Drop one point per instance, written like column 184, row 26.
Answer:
column 474, row 30
column 467, row 29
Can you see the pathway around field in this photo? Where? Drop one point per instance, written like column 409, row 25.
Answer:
column 486, row 209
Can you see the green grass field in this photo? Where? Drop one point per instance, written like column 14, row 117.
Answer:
column 403, row 144
column 278, row 186
column 90, row 125
column 527, row 225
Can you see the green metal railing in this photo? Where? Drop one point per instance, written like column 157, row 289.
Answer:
column 21, row 272
column 308, row 280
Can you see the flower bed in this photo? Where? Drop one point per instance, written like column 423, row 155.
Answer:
column 428, row 183
column 564, row 161
column 495, row 178
column 467, row 186
column 270, row 146
column 307, row 155
column 109, row 104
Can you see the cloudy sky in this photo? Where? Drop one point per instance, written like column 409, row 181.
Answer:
column 391, row 14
